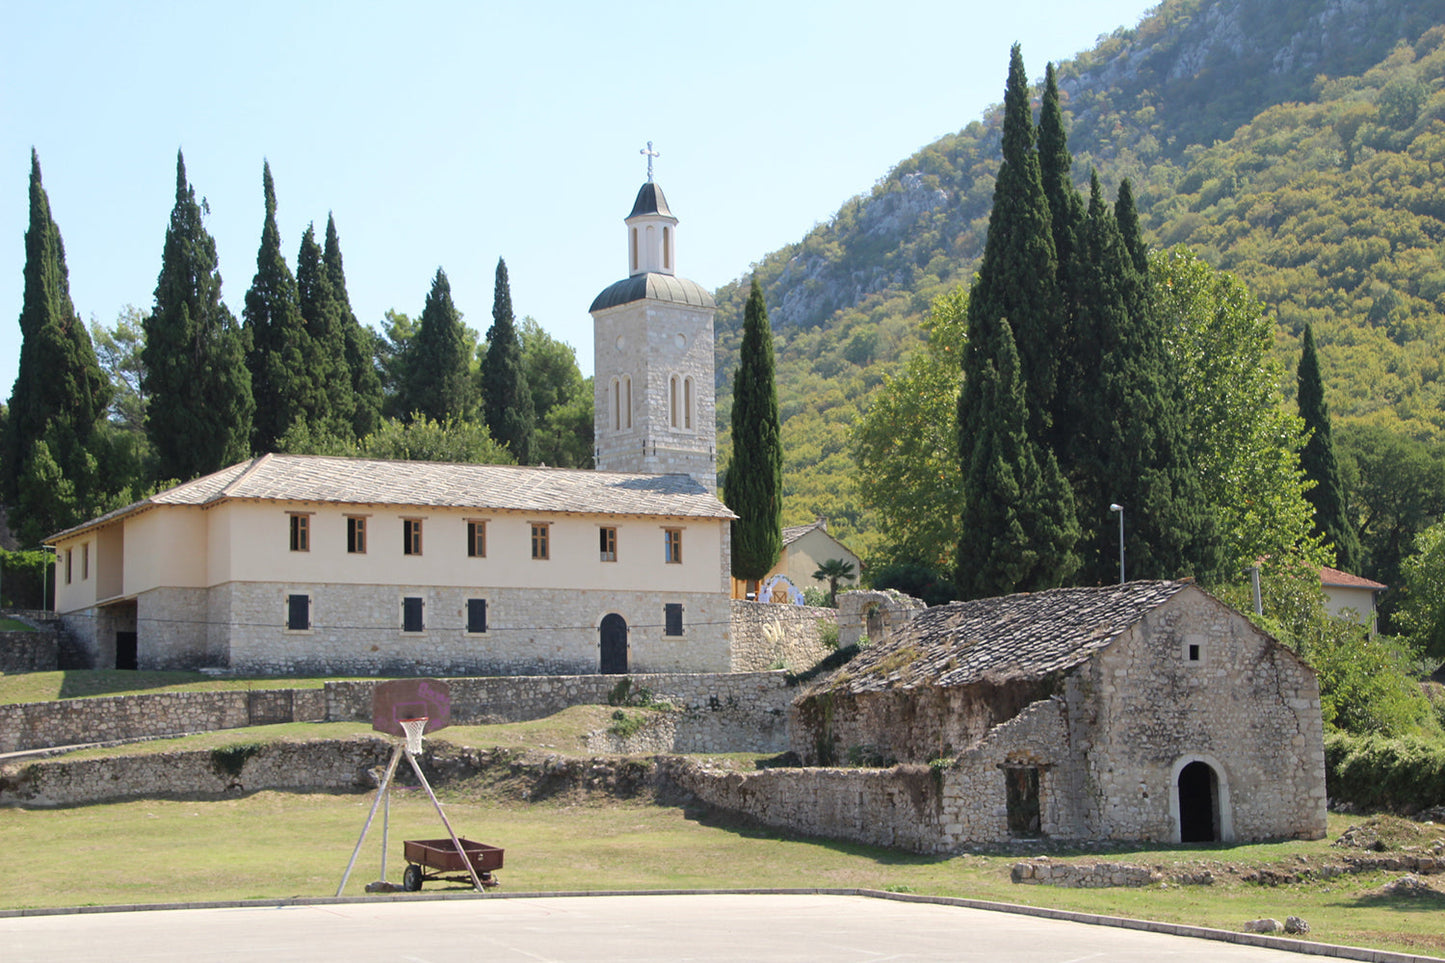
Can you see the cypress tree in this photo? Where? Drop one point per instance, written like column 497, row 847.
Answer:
column 507, row 405
column 1018, row 517
column 1016, row 279
column 325, row 344
column 284, row 389
column 200, row 412
column 360, row 343
column 60, row 391
column 753, row 486
column 1131, row 446
column 439, row 381
column 1317, row 459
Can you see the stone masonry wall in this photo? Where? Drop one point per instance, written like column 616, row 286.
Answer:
column 28, row 651
column 69, row 722
column 1244, row 705
column 874, row 614
column 722, row 713
column 767, row 634
column 557, row 631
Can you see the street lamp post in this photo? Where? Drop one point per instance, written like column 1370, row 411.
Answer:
column 1116, row 507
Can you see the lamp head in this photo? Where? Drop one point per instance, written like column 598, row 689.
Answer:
column 1116, row 507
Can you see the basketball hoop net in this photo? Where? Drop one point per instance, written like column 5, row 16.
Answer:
column 413, row 729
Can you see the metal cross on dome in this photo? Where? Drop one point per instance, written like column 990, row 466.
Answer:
column 650, row 154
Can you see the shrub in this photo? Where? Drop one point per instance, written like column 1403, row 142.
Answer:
column 1406, row 774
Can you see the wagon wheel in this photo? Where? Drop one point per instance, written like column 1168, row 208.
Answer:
column 411, row 879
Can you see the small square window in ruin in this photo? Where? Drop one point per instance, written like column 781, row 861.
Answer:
column 1022, row 788
column 1194, row 652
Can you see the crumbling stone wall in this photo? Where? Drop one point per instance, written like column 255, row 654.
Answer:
column 769, row 635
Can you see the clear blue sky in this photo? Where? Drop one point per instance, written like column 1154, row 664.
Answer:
column 449, row 134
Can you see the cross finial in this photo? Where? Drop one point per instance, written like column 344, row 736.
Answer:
column 650, row 154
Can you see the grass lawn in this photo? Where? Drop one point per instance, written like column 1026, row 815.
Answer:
column 271, row 844
column 14, row 625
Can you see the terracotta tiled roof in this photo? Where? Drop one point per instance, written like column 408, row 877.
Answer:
column 1334, row 578
column 363, row 481
column 1028, row 635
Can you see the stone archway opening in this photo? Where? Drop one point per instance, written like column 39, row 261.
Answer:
column 1199, row 810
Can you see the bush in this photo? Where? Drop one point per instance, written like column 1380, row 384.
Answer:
column 1372, row 772
column 27, row 580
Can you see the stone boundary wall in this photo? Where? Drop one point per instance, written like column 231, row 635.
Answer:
column 726, row 712
column 22, row 651
column 1083, row 875
column 329, row 765
column 698, row 730
column 769, row 634
column 70, row 722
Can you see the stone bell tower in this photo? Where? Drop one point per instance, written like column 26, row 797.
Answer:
column 653, row 355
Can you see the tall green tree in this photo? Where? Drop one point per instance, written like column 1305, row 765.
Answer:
column 324, row 349
column 1016, row 321
column 1019, row 525
column 1017, row 278
column 1317, row 458
column 366, row 389
column 199, row 388
column 507, row 405
column 437, row 369
column 60, row 391
column 284, row 388
column 753, row 486
column 1132, row 447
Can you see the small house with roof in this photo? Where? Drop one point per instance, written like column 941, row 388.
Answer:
column 805, row 548
column 1148, row 711
column 1350, row 596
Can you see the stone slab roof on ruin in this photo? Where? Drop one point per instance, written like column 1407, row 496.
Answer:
column 366, row 481
column 1029, row 635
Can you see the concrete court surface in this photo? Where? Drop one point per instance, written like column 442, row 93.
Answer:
column 635, row 929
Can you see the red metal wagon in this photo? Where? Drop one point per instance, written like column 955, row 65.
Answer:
column 433, row 859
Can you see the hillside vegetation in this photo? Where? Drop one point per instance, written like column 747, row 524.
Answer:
column 1298, row 145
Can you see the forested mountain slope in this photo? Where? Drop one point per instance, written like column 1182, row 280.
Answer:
column 1298, row 144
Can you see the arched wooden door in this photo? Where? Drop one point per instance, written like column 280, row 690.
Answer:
column 614, row 644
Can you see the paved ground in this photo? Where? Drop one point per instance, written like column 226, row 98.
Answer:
column 635, row 929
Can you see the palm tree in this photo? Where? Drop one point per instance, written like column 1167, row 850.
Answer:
column 833, row 571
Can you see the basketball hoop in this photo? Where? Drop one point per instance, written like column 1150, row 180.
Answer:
column 413, row 729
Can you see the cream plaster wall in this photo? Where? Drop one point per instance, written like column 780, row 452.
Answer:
column 1356, row 604
column 166, row 547
column 802, row 558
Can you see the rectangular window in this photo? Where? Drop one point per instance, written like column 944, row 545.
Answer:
column 85, row 561
column 411, row 536
column 300, row 533
column 413, row 614
column 1193, row 653
column 476, row 615
column 672, row 618
column 672, row 545
column 298, row 613
column 541, row 540
column 476, row 539
column 68, row 559
column 355, row 535
column 608, row 544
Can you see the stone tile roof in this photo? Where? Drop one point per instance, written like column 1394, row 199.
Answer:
column 364, row 481
column 1025, row 636
column 794, row 532
column 1334, row 578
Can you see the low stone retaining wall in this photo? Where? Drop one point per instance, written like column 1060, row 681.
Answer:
column 295, row 766
column 723, row 712
column 69, row 722
column 1083, row 875
column 23, row 651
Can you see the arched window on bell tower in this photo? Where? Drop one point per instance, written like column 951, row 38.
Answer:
column 627, row 401
column 687, row 403
column 673, row 417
